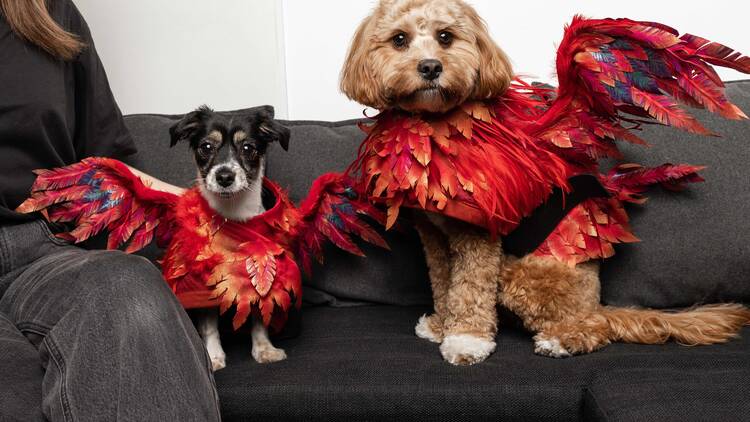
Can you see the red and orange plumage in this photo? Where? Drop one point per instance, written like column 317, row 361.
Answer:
column 209, row 261
column 493, row 162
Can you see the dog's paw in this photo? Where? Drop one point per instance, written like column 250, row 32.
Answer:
column 216, row 355
column 268, row 354
column 549, row 346
column 466, row 349
column 218, row 362
column 424, row 329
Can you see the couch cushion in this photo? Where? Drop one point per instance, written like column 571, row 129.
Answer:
column 366, row 364
column 695, row 244
column 672, row 383
column 396, row 277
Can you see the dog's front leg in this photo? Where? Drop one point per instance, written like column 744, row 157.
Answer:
column 208, row 328
column 263, row 350
column 471, row 319
column 437, row 255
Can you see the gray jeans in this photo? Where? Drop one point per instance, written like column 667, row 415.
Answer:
column 94, row 335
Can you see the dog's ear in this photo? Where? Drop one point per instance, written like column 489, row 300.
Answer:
column 191, row 124
column 357, row 80
column 495, row 69
column 270, row 130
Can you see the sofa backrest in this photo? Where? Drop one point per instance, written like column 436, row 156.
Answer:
column 696, row 244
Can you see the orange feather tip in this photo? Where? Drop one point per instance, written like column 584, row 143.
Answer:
column 738, row 112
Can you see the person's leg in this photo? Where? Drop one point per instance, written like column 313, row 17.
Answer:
column 20, row 376
column 113, row 340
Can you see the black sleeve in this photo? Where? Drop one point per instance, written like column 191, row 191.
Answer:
column 99, row 126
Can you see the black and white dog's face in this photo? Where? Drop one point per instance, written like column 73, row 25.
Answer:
column 230, row 154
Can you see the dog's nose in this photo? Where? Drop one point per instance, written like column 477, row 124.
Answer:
column 225, row 177
column 430, row 69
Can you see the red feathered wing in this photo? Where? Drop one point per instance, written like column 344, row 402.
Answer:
column 333, row 211
column 99, row 194
column 613, row 75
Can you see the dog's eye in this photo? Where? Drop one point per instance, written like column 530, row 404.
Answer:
column 399, row 40
column 250, row 150
column 445, row 38
column 206, row 147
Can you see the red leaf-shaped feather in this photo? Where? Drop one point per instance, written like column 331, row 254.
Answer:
column 718, row 54
column 478, row 110
column 667, row 112
column 700, row 88
column 63, row 177
column 462, row 122
column 262, row 270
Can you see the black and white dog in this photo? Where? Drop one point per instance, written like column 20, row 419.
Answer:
column 230, row 152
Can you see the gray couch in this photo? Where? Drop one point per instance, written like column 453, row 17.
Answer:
column 356, row 356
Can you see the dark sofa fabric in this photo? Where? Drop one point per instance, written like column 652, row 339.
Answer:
column 708, row 386
column 365, row 363
column 695, row 244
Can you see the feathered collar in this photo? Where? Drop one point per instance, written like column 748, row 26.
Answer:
column 475, row 163
column 276, row 221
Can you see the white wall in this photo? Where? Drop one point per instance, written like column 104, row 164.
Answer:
column 318, row 33
column 170, row 56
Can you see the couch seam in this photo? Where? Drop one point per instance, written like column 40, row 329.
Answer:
column 324, row 123
column 292, row 123
column 588, row 394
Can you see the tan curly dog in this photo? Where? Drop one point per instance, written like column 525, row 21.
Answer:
column 469, row 273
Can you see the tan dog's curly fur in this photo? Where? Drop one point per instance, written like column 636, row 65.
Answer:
column 470, row 275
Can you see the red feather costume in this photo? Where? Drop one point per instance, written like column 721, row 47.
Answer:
column 209, row 261
column 491, row 163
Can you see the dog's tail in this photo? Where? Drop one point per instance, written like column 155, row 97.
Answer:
column 701, row 325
